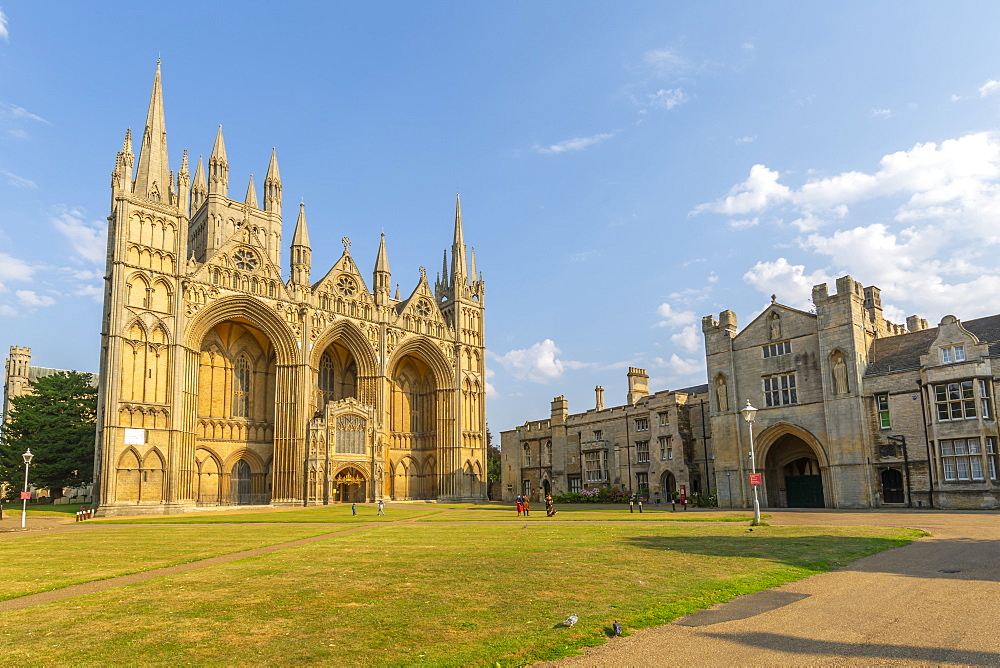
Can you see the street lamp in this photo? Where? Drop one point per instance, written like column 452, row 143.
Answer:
column 24, row 495
column 749, row 412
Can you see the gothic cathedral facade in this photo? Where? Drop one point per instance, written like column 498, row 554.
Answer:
column 221, row 383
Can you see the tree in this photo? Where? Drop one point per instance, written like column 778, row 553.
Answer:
column 57, row 421
column 492, row 458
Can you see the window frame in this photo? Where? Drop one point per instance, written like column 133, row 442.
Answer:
column 777, row 349
column 784, row 392
column 955, row 401
column 642, row 452
column 882, row 410
column 961, row 460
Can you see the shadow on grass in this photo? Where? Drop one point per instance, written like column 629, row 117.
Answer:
column 814, row 552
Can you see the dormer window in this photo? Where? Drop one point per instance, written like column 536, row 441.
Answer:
column 952, row 354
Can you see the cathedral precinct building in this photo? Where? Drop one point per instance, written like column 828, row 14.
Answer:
column 221, row 383
column 853, row 411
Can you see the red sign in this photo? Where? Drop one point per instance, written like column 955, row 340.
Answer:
column 756, row 478
column 26, row 496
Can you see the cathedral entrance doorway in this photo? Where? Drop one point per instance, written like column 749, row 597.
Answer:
column 413, row 429
column 792, row 474
column 235, row 413
column 239, row 480
column 350, row 485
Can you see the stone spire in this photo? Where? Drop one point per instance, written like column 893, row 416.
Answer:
column 152, row 177
column 301, row 250
column 199, row 188
column 383, row 278
column 272, row 186
column 184, row 184
column 218, row 167
column 251, row 197
column 121, row 178
column 459, row 268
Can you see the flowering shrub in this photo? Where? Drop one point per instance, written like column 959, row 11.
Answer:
column 603, row 495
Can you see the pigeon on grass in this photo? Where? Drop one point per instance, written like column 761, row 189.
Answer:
column 617, row 628
column 570, row 621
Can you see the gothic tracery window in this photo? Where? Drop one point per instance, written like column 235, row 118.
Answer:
column 245, row 260
column 241, row 387
column 423, row 309
column 346, row 286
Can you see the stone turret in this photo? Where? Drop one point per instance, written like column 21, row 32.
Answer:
column 638, row 385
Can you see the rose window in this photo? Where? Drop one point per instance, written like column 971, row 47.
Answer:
column 245, row 260
column 346, row 286
column 423, row 309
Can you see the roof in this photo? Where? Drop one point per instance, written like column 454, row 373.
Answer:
column 694, row 389
column 36, row 372
column 902, row 352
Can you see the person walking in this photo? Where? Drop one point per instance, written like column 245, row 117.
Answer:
column 354, row 509
column 381, row 507
column 527, row 506
column 520, row 505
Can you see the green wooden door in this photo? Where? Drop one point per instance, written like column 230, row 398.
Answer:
column 804, row 491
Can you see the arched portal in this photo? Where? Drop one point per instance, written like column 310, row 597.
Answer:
column 413, row 426
column 239, row 481
column 792, row 474
column 350, row 485
column 235, row 404
column 668, row 485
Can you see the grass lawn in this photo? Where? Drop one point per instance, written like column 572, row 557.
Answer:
column 411, row 593
column 48, row 561
column 337, row 513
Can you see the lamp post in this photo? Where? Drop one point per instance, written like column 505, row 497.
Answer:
column 749, row 412
column 24, row 495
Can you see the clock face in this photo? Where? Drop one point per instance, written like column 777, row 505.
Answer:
column 423, row 309
column 245, row 260
column 346, row 287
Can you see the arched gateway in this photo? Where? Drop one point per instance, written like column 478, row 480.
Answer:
column 793, row 468
column 224, row 383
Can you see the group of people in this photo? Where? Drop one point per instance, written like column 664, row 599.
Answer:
column 524, row 505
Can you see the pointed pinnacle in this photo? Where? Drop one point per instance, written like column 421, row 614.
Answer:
column 251, row 197
column 272, row 168
column 382, row 259
column 301, row 236
column 219, row 149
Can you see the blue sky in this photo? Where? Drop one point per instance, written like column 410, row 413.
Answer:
column 625, row 168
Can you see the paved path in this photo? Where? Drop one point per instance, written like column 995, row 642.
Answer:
column 935, row 601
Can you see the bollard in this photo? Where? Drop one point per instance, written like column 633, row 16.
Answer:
column 631, row 507
column 78, row 516
column 640, row 506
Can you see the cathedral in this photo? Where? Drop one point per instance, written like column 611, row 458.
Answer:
column 222, row 383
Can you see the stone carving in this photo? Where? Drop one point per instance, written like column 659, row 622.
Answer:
column 839, row 376
column 722, row 394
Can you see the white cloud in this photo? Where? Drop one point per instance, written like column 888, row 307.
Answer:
column 746, row 139
column 89, row 240
column 4, row 33
column 760, row 191
column 92, row 291
column 791, row 283
column 667, row 98
column 18, row 181
column 681, row 367
column 8, row 311
column 665, row 61
column 31, row 298
column 491, row 391
column 538, row 363
column 576, row 144
column 882, row 113
column 14, row 269
column 989, row 88
column 672, row 318
column 688, row 339
column 744, row 223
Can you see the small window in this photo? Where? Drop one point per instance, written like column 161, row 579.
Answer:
column 642, row 482
column 984, row 398
column 526, row 455
column 882, row 406
column 775, row 349
column 574, row 484
column 955, row 401
column 642, row 452
column 952, row 354
column 664, row 419
column 666, row 451
column 598, row 434
column 642, row 424
column 961, row 459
